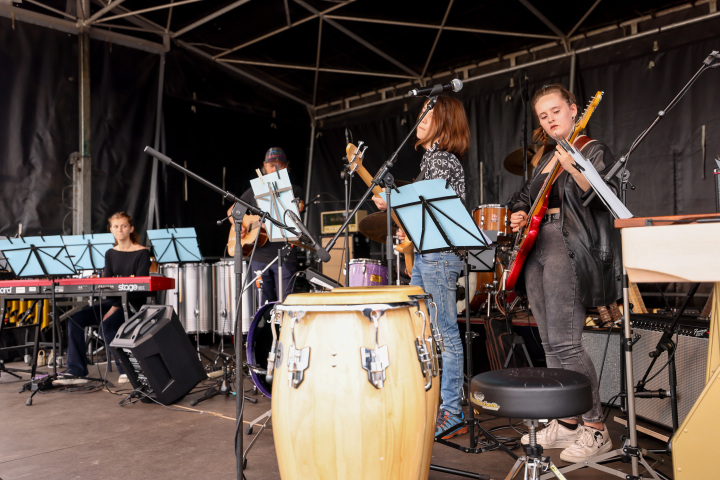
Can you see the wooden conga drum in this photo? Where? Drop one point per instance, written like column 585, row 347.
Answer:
column 432, row 402
column 349, row 395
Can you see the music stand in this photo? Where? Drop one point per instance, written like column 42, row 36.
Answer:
column 436, row 220
column 42, row 256
column 3, row 261
column 274, row 194
column 87, row 252
column 182, row 240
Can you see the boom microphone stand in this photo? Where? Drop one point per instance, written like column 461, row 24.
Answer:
column 243, row 208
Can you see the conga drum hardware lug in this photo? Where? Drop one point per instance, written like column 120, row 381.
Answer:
column 375, row 362
column 298, row 361
column 425, row 362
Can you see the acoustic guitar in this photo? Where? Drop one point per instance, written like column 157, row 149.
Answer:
column 253, row 229
column 355, row 158
column 526, row 239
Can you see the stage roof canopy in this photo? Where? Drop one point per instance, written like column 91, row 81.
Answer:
column 332, row 55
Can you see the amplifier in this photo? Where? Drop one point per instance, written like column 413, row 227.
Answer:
column 690, row 363
column 330, row 222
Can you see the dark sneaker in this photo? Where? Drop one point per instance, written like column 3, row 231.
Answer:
column 590, row 442
column 446, row 421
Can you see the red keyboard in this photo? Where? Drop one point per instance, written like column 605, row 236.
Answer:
column 84, row 285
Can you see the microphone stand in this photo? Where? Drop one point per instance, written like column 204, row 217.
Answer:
column 525, row 99
column 622, row 162
column 347, row 174
column 240, row 208
column 380, row 177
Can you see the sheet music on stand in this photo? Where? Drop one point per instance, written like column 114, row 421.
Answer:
column 175, row 245
column 37, row 256
column 611, row 201
column 4, row 266
column 87, row 251
column 435, row 219
column 274, row 194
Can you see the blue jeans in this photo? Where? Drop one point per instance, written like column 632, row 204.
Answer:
column 437, row 274
column 552, row 292
column 270, row 280
column 76, row 355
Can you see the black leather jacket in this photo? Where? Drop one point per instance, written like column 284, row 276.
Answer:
column 591, row 240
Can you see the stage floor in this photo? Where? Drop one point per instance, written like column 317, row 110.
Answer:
column 84, row 433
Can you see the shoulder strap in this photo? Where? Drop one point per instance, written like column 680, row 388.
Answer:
column 582, row 141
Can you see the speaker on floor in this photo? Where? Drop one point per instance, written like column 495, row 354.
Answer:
column 690, row 362
column 157, row 355
column 604, row 349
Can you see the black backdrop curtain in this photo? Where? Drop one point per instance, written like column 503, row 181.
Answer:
column 667, row 169
column 39, row 115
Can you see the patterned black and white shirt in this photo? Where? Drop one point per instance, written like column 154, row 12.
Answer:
column 438, row 163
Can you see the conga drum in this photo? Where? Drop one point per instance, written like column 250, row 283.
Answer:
column 433, row 342
column 349, row 394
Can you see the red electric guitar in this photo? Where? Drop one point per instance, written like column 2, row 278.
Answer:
column 525, row 241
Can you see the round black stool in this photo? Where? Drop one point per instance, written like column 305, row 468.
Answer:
column 532, row 394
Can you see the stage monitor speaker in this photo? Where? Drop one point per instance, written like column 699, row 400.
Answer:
column 334, row 268
column 157, row 355
column 690, row 362
column 603, row 345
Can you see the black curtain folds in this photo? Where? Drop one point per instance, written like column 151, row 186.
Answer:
column 220, row 125
column 39, row 115
column 668, row 169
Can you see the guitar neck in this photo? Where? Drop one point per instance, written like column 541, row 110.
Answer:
column 367, row 178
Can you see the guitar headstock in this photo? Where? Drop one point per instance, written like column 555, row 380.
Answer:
column 354, row 155
column 585, row 117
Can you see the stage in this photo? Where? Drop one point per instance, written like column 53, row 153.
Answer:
column 82, row 432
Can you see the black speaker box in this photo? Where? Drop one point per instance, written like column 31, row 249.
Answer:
column 157, row 355
column 690, row 362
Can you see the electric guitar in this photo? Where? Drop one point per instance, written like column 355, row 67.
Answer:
column 355, row 157
column 525, row 240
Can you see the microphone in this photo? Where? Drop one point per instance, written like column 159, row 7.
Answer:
column 314, row 200
column 454, row 86
column 321, row 252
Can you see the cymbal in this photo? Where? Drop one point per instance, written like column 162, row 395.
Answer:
column 513, row 163
column 374, row 226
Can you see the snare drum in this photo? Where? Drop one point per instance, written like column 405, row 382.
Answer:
column 366, row 272
column 494, row 218
column 354, row 383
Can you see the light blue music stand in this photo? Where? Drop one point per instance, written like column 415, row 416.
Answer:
column 274, row 194
column 42, row 256
column 175, row 245
column 435, row 219
column 87, row 252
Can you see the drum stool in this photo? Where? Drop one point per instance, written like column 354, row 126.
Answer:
column 532, row 394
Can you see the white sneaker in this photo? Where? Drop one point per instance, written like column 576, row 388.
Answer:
column 123, row 379
column 590, row 442
column 554, row 435
column 70, row 380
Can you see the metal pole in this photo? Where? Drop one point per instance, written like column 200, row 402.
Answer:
column 82, row 173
